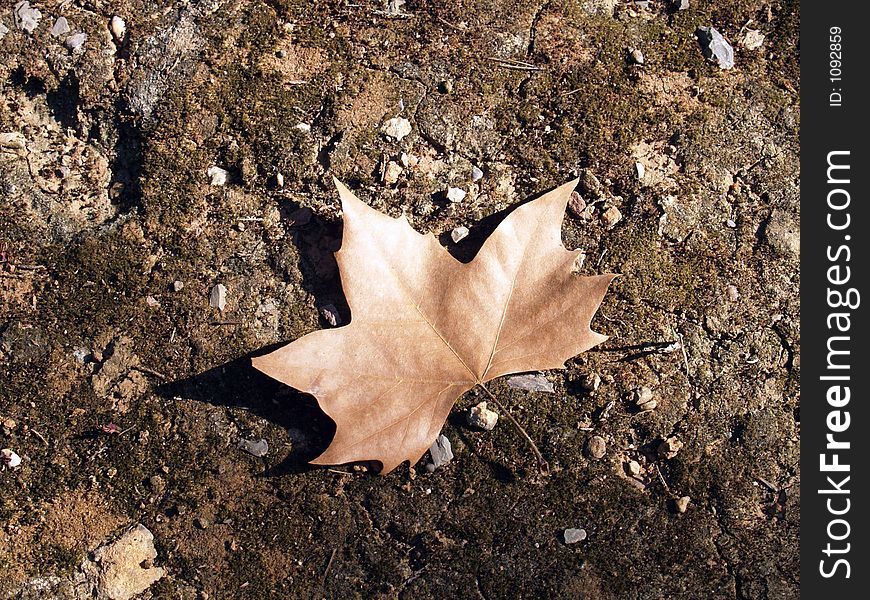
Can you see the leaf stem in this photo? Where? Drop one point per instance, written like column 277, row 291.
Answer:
column 543, row 465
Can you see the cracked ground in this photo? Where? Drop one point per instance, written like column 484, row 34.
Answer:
column 126, row 394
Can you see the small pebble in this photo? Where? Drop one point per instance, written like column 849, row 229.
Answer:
column 480, row 416
column 596, row 447
column 632, row 467
column 458, row 234
column 60, row 27
column 330, row 313
column 256, row 448
column 716, row 48
column 639, row 170
column 590, row 382
column 397, row 128
column 152, row 301
column 25, row 17
column 643, row 399
column 681, row 4
column 279, row 179
column 476, row 174
column 733, row 293
column 573, row 536
column 532, row 382
column 9, row 458
column 303, row 127
column 682, row 504
column 408, row 160
column 392, row 173
column 75, row 41
column 731, row 223
column 669, row 448
column 636, row 55
column 177, row 286
column 611, row 216
column 3, row 30
column 455, row 194
column 752, row 39
column 8, row 425
column 216, row 175
column 441, row 453
column 118, row 27
column 217, row 298
column 577, row 205
column 157, row 483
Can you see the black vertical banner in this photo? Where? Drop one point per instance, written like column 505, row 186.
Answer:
column 835, row 228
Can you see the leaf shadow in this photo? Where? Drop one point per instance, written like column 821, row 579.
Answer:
column 237, row 384
column 500, row 472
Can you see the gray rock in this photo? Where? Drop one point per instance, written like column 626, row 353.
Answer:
column 532, row 382
column 177, row 285
column 26, row 18
column 218, row 297
column 716, row 48
column 330, row 313
column 458, row 234
column 117, row 569
column 573, row 536
column 476, row 174
column 3, row 31
column 441, row 453
column 256, row 448
column 76, row 41
column 596, row 447
column 61, row 26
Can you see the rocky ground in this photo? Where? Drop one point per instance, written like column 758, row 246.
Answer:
column 193, row 143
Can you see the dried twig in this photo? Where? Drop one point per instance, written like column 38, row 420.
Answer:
column 516, row 65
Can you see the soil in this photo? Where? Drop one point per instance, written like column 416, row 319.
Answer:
column 126, row 399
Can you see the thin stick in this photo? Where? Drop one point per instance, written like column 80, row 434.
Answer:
column 328, row 565
column 543, row 466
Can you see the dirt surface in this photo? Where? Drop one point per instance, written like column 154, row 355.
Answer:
column 126, row 399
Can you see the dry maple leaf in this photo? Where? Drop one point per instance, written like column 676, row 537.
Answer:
column 426, row 328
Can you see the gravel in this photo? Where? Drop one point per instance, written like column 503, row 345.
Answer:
column 532, row 382
column 26, row 18
column 217, row 298
column 716, row 48
column 397, row 128
column 596, row 447
column 441, row 453
column 60, row 27
column 481, row 417
column 256, row 448
column 573, row 535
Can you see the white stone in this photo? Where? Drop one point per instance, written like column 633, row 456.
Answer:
column 752, row 39
column 480, row 416
column 76, row 41
column 9, row 458
column 392, row 173
column 476, row 174
column 60, row 27
column 216, row 175
column 397, row 128
column 118, row 27
column 458, row 234
column 26, row 18
column 639, row 169
column 455, row 194
column 304, row 127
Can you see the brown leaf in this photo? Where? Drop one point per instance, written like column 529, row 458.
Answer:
column 426, row 328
